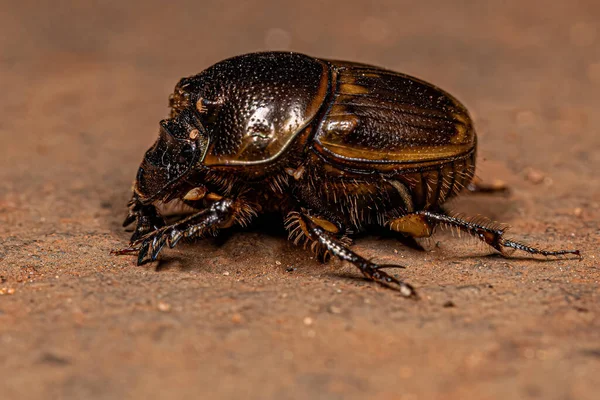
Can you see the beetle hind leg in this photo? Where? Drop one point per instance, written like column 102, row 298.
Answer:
column 422, row 223
column 321, row 232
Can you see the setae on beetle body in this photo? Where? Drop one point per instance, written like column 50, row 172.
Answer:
column 335, row 147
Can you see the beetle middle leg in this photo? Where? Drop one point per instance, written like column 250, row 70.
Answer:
column 421, row 224
column 220, row 214
column 326, row 234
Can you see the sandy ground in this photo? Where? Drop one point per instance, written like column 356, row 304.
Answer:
column 251, row 316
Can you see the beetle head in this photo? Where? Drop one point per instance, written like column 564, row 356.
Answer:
column 181, row 145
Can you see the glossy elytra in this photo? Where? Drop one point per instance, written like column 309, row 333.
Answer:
column 334, row 147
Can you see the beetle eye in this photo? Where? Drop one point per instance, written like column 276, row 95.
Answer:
column 186, row 155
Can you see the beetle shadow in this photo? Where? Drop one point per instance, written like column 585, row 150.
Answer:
column 534, row 258
column 113, row 206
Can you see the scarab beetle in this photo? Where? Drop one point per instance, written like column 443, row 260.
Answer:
column 335, row 147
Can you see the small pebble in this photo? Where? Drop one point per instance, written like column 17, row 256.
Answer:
column 226, row 273
column 236, row 318
column 578, row 212
column 534, row 176
column 277, row 262
column 308, row 321
column 164, row 307
column 449, row 304
column 335, row 310
column 498, row 185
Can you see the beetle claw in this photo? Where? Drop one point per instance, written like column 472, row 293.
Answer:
column 148, row 221
column 384, row 279
column 388, row 266
column 129, row 219
column 151, row 243
column 157, row 245
column 174, row 238
column 127, row 250
column 142, row 253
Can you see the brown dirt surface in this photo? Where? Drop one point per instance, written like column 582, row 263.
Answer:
column 84, row 85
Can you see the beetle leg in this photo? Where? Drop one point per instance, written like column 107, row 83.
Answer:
column 415, row 225
column 421, row 223
column 147, row 218
column 322, row 233
column 298, row 233
column 220, row 214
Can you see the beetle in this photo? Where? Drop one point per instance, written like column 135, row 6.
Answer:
column 334, row 147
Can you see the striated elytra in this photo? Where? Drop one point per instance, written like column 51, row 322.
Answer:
column 335, row 147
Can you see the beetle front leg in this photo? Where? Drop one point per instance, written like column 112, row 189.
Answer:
column 147, row 218
column 325, row 233
column 220, row 214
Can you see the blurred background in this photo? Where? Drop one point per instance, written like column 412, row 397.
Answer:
column 69, row 66
column 83, row 86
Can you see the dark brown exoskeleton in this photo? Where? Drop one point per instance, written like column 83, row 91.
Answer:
column 335, row 147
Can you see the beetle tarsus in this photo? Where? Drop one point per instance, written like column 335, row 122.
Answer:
column 369, row 269
column 532, row 250
column 490, row 234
